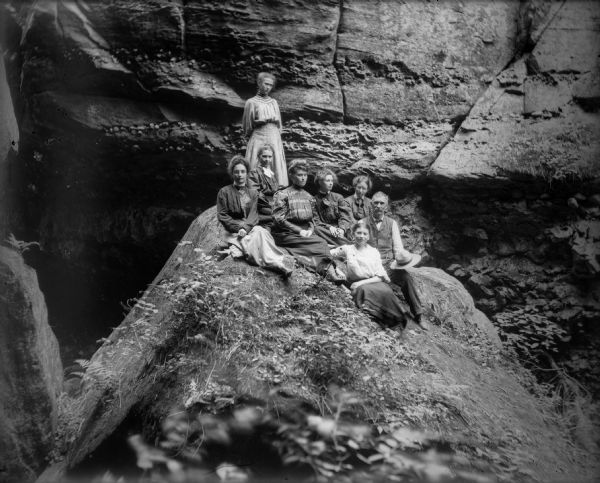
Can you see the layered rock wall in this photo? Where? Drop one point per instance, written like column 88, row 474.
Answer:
column 30, row 372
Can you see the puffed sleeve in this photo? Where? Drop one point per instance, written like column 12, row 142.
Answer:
column 397, row 245
column 345, row 220
column 338, row 252
column 247, row 118
column 378, row 265
column 253, row 181
column 231, row 224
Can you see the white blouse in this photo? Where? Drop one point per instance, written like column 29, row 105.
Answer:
column 260, row 109
column 361, row 263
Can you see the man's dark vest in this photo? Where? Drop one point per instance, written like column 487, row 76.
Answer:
column 382, row 238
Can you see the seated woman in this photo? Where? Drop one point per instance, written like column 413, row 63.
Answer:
column 262, row 179
column 237, row 212
column 359, row 203
column 335, row 217
column 294, row 218
column 368, row 278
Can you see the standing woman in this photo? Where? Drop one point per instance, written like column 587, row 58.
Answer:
column 237, row 211
column 262, row 125
column 369, row 281
column 359, row 203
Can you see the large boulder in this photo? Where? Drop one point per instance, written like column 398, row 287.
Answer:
column 210, row 332
column 30, row 372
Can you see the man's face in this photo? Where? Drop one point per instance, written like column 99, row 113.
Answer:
column 379, row 206
column 299, row 178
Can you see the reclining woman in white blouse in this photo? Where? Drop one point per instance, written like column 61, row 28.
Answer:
column 369, row 282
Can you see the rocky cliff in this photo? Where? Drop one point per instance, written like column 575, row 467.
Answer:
column 479, row 118
column 30, row 373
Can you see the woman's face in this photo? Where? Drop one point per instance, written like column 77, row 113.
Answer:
column 239, row 175
column 265, row 85
column 361, row 236
column 266, row 158
column 361, row 190
column 299, row 178
column 326, row 184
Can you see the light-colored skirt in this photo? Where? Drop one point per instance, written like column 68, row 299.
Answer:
column 268, row 134
column 259, row 248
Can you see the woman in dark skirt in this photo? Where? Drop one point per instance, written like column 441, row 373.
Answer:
column 294, row 218
column 369, row 282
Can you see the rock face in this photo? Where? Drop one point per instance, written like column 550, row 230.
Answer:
column 9, row 145
column 534, row 122
column 30, row 372
column 485, row 112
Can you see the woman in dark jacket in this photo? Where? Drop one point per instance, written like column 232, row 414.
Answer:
column 238, row 213
column 294, row 218
column 262, row 179
column 335, row 215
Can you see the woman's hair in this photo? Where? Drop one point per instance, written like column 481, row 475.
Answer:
column 297, row 165
column 359, row 224
column 237, row 159
column 362, row 178
column 262, row 75
column 266, row 147
column 323, row 173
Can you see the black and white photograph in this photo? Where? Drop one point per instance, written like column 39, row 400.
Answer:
column 303, row 241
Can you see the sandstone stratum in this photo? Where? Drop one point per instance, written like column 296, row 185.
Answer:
column 479, row 119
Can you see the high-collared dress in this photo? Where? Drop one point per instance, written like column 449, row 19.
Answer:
column 263, row 180
column 375, row 298
column 237, row 209
column 262, row 124
column 333, row 210
column 294, row 211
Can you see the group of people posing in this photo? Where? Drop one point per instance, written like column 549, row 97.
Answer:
column 272, row 221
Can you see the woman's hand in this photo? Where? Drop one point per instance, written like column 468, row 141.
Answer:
column 242, row 233
column 305, row 233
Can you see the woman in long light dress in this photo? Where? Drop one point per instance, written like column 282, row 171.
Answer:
column 237, row 210
column 262, row 125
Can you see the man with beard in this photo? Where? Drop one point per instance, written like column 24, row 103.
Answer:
column 384, row 235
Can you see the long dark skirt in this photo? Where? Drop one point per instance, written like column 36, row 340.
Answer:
column 326, row 235
column 379, row 300
column 311, row 251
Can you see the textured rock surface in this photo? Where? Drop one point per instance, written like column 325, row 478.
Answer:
column 30, row 372
column 130, row 110
column 9, row 145
column 451, row 379
column 529, row 124
column 421, row 60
